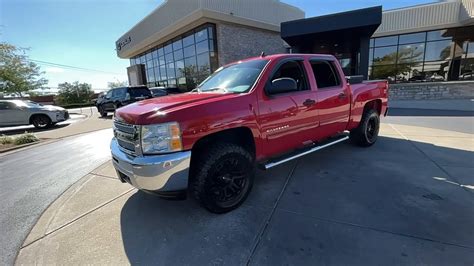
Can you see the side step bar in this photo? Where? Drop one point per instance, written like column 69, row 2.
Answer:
column 316, row 148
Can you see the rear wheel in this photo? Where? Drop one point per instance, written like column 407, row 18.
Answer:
column 367, row 132
column 223, row 177
column 41, row 121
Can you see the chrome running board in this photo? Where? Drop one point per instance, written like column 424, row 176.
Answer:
column 317, row 148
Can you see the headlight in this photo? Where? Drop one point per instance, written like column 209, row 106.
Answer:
column 161, row 138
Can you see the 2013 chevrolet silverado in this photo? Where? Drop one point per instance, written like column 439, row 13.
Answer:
column 261, row 111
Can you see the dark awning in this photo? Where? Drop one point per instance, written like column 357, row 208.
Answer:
column 361, row 22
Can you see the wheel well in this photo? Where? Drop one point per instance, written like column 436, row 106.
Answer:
column 241, row 136
column 374, row 105
column 35, row 115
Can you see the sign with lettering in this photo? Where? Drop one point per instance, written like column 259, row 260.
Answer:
column 123, row 42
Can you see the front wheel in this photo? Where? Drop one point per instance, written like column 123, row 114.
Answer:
column 101, row 110
column 367, row 132
column 223, row 177
column 41, row 121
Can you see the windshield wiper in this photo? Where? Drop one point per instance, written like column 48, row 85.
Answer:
column 218, row 89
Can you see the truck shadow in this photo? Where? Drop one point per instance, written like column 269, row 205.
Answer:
column 157, row 231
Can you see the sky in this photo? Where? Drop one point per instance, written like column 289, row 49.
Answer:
column 82, row 33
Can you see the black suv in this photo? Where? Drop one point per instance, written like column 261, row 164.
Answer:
column 118, row 97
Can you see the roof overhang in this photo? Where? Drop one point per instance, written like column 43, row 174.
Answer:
column 361, row 22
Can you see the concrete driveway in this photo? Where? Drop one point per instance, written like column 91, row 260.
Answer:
column 407, row 200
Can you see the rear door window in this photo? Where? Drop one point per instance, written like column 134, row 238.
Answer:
column 325, row 74
column 139, row 92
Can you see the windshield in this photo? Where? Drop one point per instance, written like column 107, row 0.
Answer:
column 236, row 78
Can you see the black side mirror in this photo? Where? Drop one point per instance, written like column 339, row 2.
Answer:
column 355, row 79
column 282, row 85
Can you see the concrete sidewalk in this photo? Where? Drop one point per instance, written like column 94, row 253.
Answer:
column 406, row 200
column 451, row 105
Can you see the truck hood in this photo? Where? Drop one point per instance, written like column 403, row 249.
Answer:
column 143, row 112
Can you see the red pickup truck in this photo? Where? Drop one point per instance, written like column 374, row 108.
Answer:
column 261, row 111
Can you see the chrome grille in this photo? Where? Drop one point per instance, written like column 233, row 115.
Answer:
column 127, row 137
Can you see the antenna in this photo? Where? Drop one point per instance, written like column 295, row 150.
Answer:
column 262, row 54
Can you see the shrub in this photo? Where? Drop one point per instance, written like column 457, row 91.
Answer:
column 25, row 138
column 6, row 139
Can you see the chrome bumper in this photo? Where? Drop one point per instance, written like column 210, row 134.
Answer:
column 153, row 173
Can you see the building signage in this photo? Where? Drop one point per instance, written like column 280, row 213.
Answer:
column 123, row 42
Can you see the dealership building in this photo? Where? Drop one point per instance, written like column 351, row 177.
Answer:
column 183, row 41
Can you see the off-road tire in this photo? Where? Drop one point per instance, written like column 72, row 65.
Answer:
column 367, row 132
column 101, row 111
column 209, row 177
column 41, row 121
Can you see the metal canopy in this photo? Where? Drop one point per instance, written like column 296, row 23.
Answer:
column 345, row 25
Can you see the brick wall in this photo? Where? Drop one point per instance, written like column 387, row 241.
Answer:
column 432, row 91
column 236, row 42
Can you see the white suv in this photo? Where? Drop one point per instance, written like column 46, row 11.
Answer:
column 19, row 112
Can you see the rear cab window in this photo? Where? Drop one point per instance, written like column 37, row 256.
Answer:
column 325, row 73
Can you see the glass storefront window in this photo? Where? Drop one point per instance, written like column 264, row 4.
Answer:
column 184, row 61
column 189, row 40
column 169, row 58
column 439, row 50
column 411, row 53
column 168, row 48
column 201, row 35
column 386, row 41
column 385, row 55
column 412, row 38
column 148, row 56
column 178, row 55
column 170, row 71
column 161, row 60
column 437, row 35
column 202, row 47
column 179, row 69
column 189, row 51
column 410, row 72
column 161, row 51
column 436, row 71
column 371, row 56
column 157, row 73
column 177, row 45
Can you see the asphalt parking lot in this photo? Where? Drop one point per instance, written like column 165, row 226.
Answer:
column 407, row 200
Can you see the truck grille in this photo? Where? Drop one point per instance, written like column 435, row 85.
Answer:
column 127, row 137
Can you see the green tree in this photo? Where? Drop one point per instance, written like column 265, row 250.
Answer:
column 117, row 84
column 71, row 93
column 406, row 59
column 18, row 75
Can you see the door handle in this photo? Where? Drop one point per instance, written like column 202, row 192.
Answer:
column 342, row 95
column 309, row 102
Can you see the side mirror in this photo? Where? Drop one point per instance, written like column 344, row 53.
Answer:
column 282, row 85
column 355, row 79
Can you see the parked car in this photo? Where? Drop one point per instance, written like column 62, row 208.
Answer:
column 435, row 77
column 163, row 91
column 261, row 111
column 20, row 112
column 99, row 98
column 118, row 97
column 467, row 76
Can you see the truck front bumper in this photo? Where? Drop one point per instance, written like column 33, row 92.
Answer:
column 159, row 174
